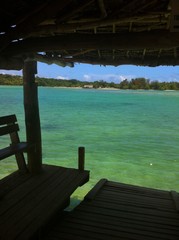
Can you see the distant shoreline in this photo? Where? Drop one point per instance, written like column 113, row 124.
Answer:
column 100, row 89
column 133, row 84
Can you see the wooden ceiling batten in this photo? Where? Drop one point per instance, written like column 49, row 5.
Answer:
column 73, row 11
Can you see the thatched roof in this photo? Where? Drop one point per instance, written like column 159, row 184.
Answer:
column 107, row 32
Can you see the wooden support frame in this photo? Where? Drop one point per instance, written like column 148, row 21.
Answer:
column 32, row 118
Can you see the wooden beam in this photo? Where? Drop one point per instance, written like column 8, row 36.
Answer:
column 50, row 60
column 102, row 8
column 73, row 10
column 25, row 24
column 32, row 118
column 125, row 41
column 156, row 17
column 11, row 63
column 147, row 61
column 174, row 23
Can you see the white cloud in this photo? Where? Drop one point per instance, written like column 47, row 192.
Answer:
column 106, row 77
column 87, row 78
column 11, row 72
column 62, row 78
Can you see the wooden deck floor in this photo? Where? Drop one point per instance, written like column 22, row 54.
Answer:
column 115, row 211
column 27, row 202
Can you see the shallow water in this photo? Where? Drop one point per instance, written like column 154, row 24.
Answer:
column 129, row 136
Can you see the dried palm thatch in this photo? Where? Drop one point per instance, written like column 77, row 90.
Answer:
column 106, row 32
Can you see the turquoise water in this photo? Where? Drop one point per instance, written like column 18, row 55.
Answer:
column 129, row 136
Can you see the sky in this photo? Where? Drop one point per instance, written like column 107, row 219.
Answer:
column 88, row 73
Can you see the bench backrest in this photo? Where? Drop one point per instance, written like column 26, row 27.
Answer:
column 9, row 126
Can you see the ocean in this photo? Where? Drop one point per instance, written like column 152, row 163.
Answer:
column 130, row 136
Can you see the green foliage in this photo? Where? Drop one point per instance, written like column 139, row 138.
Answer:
column 137, row 83
column 142, row 83
column 6, row 79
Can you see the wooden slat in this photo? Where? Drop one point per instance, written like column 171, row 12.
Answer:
column 138, row 189
column 92, row 194
column 115, row 212
column 8, row 119
column 28, row 206
column 9, row 129
column 111, row 220
column 134, row 200
column 120, row 230
column 56, row 198
column 14, row 149
column 175, row 197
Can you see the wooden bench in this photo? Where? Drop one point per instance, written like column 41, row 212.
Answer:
column 28, row 201
column 9, row 126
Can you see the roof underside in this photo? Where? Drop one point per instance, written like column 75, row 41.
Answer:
column 106, row 32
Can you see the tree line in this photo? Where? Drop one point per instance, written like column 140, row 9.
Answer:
column 137, row 83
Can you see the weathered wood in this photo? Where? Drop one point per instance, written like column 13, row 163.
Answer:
column 72, row 11
column 125, row 41
column 52, row 27
column 81, row 158
column 8, row 119
column 32, row 118
column 31, row 203
column 112, row 216
column 89, row 24
column 93, row 192
column 147, row 61
column 13, row 150
column 8, row 126
column 34, row 17
column 175, row 197
column 174, row 23
column 9, row 63
column 9, row 129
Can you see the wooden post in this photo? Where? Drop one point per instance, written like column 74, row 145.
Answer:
column 81, row 158
column 32, row 118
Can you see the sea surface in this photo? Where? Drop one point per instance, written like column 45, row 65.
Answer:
column 129, row 136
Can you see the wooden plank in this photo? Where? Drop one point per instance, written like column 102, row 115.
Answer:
column 129, row 215
column 138, row 189
column 104, row 231
column 137, row 203
column 14, row 149
column 136, row 200
column 112, row 216
column 129, row 223
column 11, row 182
column 34, row 213
column 56, row 199
column 150, row 212
column 9, row 129
column 121, row 228
column 8, row 119
column 91, row 194
column 175, row 198
column 21, row 191
column 125, row 41
column 24, row 209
